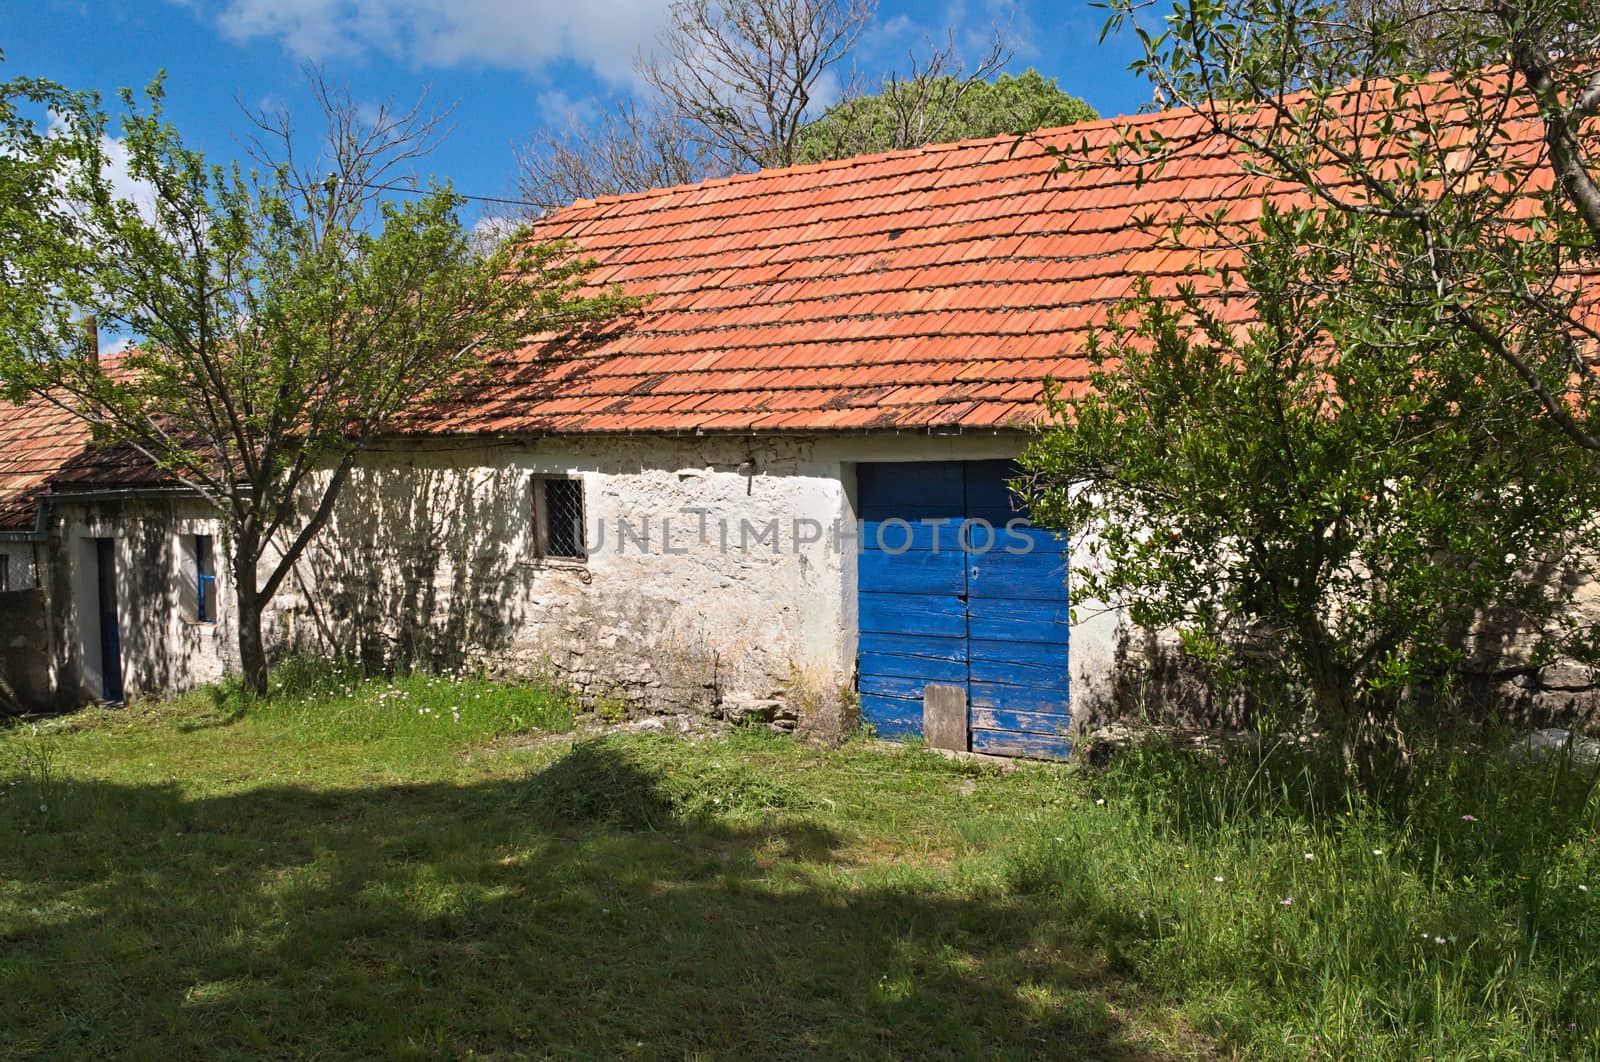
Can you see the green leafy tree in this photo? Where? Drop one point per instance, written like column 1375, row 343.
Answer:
column 937, row 109
column 1337, row 502
column 285, row 317
column 1376, row 466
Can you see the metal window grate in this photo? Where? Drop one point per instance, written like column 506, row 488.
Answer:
column 561, row 518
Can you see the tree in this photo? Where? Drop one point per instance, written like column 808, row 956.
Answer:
column 1410, row 428
column 933, row 107
column 286, row 318
column 739, row 83
column 629, row 150
column 1330, row 502
column 1426, row 151
column 744, row 74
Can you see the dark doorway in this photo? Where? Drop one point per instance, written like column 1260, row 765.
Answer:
column 110, row 637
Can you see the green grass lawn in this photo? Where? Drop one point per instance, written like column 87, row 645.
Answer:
column 429, row 868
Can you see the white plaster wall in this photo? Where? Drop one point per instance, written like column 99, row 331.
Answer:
column 740, row 591
column 430, row 551
column 697, row 585
column 162, row 649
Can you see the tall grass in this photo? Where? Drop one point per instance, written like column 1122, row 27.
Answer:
column 1295, row 921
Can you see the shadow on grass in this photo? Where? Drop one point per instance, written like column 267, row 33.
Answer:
column 501, row 919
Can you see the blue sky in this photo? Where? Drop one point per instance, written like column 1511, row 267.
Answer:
column 510, row 65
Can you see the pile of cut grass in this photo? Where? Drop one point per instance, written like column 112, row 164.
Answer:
column 649, row 782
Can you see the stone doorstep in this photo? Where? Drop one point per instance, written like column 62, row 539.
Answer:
column 1004, row 763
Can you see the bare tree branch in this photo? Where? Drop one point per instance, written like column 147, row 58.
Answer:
column 629, row 150
column 745, row 74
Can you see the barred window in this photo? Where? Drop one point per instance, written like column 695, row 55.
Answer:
column 558, row 517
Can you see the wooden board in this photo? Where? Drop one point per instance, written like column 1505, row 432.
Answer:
column 944, row 717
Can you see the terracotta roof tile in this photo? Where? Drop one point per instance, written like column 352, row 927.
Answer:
column 45, row 448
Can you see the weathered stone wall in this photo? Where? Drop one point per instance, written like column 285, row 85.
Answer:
column 1153, row 681
column 17, row 561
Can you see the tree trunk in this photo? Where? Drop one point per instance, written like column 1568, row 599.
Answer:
column 252, row 649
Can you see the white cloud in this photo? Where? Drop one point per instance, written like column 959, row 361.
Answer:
column 117, row 345
column 124, row 185
column 516, row 34
column 491, row 230
column 559, row 110
column 970, row 23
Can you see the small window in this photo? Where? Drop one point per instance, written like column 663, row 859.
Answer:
column 205, row 570
column 197, row 586
column 558, row 518
column 5, row 572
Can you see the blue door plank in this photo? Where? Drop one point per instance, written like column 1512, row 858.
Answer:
column 927, row 527
column 1017, row 698
column 910, row 532
column 911, row 614
column 1033, row 654
column 894, row 686
column 1050, row 723
column 1022, row 540
column 1034, row 575
column 917, row 645
column 1032, row 628
column 1032, row 746
column 912, row 573
column 1007, row 673
column 902, row 484
column 1010, row 539
column 953, row 672
column 987, row 484
column 1054, row 611
column 892, row 716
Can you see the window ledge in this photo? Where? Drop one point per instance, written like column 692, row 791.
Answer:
column 575, row 564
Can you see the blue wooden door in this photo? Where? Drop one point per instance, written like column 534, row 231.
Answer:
column 948, row 594
column 110, row 636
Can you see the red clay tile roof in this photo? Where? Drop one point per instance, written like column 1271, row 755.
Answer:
column 44, row 448
column 928, row 289
column 925, row 289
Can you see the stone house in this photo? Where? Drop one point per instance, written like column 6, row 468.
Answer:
column 765, row 495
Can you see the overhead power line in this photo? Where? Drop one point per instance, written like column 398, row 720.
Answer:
column 460, row 195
